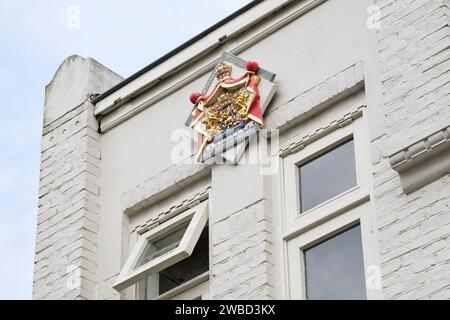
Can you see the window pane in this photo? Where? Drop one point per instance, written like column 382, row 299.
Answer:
column 335, row 268
column 187, row 269
column 327, row 176
column 161, row 245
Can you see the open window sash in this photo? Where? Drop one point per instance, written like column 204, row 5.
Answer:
column 133, row 271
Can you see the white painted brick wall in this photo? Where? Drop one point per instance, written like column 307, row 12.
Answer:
column 242, row 254
column 69, row 188
column 68, row 209
column 414, row 229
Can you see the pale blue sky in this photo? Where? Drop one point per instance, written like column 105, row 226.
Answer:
column 34, row 39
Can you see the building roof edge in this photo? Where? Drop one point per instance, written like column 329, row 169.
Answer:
column 173, row 52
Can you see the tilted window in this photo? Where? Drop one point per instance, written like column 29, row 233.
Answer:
column 188, row 277
column 162, row 247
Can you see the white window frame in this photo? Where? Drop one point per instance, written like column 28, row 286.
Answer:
column 343, row 222
column 301, row 230
column 196, row 287
column 295, row 222
column 131, row 275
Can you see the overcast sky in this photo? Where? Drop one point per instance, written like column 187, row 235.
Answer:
column 35, row 38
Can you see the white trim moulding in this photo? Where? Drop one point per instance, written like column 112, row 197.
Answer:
column 423, row 161
column 106, row 111
column 333, row 126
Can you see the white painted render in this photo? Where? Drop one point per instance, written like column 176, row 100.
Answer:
column 388, row 88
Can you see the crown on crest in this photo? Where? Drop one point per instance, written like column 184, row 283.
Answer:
column 223, row 70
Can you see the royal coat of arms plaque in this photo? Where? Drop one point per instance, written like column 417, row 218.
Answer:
column 230, row 109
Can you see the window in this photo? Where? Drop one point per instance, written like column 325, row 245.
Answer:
column 332, row 260
column 163, row 244
column 327, row 176
column 334, row 269
column 327, row 224
column 177, row 277
column 166, row 249
column 193, row 266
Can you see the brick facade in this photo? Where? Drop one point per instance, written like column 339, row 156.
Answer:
column 414, row 52
column 69, row 189
column 88, row 221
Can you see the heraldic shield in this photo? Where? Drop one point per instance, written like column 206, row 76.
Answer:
column 232, row 111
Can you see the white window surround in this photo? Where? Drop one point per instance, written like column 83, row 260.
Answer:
column 296, row 247
column 130, row 274
column 302, row 230
column 194, row 288
column 295, row 222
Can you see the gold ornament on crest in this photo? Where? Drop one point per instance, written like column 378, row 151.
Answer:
column 229, row 107
column 223, row 71
column 229, row 111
